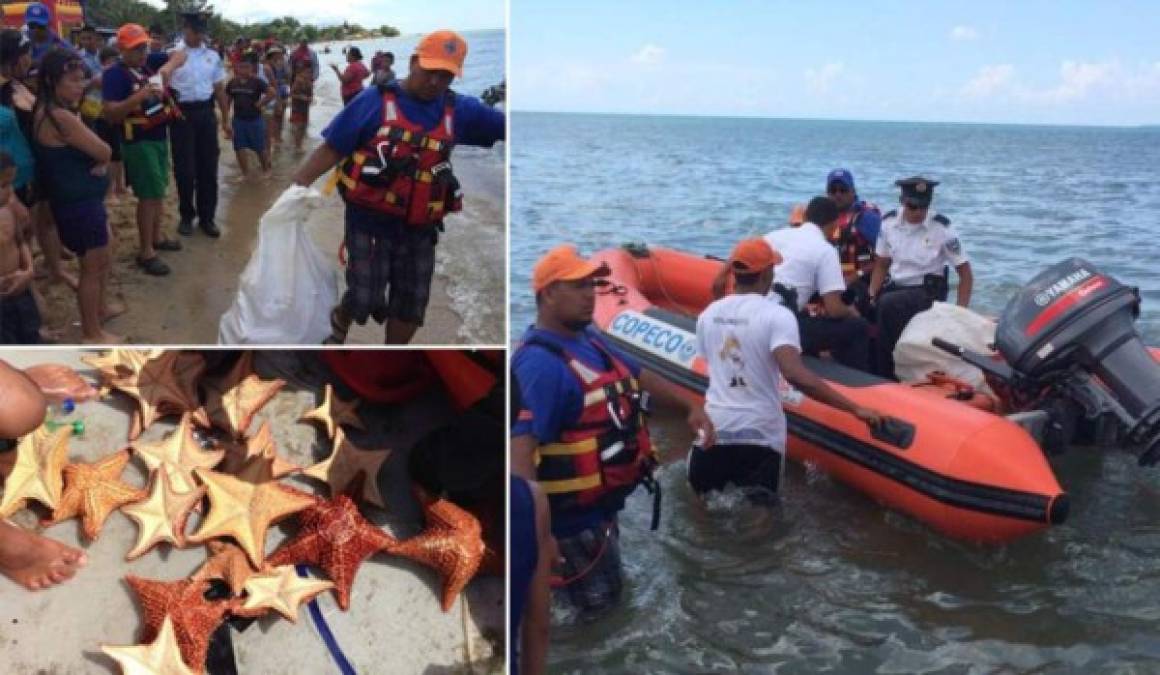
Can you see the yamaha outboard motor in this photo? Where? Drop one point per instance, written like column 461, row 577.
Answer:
column 1071, row 329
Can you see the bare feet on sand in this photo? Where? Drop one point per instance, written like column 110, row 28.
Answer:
column 112, row 310
column 34, row 561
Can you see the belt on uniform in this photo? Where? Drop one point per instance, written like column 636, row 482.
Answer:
column 195, row 105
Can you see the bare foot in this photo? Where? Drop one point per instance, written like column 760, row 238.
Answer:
column 35, row 561
column 112, row 310
column 104, row 338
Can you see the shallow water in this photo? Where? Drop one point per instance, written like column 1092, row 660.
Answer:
column 830, row 581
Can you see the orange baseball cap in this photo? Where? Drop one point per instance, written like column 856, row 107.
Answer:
column 564, row 263
column 751, row 256
column 131, row 35
column 442, row 50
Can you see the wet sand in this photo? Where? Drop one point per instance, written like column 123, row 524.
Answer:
column 186, row 306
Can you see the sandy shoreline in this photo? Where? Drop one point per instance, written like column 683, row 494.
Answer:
column 186, row 306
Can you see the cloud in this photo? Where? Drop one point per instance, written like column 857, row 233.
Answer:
column 989, row 81
column 964, row 33
column 819, row 80
column 649, row 55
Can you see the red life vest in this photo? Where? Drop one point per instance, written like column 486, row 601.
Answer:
column 161, row 112
column 601, row 457
column 854, row 250
column 405, row 171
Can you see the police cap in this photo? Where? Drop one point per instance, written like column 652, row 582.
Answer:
column 917, row 189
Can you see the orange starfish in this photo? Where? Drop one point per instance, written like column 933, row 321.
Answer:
column 451, row 544
column 228, row 562
column 335, row 538
column 346, row 463
column 158, row 389
column 161, row 517
column 334, row 412
column 194, row 618
column 245, row 511
column 179, row 454
column 255, row 459
column 233, row 401
column 93, row 491
column 38, row 471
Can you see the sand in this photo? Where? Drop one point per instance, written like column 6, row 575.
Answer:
column 394, row 625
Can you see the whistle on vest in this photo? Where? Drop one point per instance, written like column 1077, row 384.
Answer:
column 443, row 174
column 381, row 169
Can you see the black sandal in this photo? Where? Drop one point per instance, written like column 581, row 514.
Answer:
column 168, row 245
column 154, row 266
column 339, row 325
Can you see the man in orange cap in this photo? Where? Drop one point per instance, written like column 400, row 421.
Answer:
column 749, row 343
column 583, row 418
column 393, row 145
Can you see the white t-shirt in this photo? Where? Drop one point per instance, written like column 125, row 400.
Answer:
column 809, row 263
column 736, row 336
column 917, row 250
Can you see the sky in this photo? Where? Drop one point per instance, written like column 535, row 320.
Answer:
column 1025, row 61
column 409, row 16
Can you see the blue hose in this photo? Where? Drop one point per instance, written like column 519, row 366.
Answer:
column 327, row 635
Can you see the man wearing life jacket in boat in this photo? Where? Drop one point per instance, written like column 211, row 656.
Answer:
column 584, row 437
column 914, row 249
column 809, row 270
column 748, row 343
column 854, row 237
column 393, row 145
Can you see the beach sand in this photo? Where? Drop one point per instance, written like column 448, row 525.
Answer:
column 185, row 307
column 394, row 624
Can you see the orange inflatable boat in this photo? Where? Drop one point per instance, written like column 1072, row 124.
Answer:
column 969, row 473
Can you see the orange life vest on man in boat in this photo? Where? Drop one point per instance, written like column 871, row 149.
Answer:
column 152, row 113
column 855, row 251
column 600, row 458
column 405, row 171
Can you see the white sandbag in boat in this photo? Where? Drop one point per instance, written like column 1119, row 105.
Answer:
column 915, row 356
column 289, row 286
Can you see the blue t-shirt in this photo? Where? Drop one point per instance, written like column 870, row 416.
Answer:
column 154, row 60
column 40, row 49
column 475, row 123
column 118, row 84
column 869, row 222
column 551, row 393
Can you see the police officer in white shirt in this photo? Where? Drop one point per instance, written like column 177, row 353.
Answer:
column 747, row 342
column 199, row 82
column 914, row 249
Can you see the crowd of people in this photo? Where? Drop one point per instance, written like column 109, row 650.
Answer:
column 843, row 280
column 82, row 122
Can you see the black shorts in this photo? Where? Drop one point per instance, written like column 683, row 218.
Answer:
column 26, row 194
column 389, row 267
column 591, row 571
column 111, row 134
column 19, row 319
column 739, row 464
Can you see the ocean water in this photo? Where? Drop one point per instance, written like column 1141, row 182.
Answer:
column 471, row 253
column 829, row 581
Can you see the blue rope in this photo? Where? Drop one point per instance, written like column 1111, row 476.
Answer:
column 326, row 633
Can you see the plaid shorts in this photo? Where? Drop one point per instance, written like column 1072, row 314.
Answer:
column 19, row 319
column 385, row 253
column 592, row 569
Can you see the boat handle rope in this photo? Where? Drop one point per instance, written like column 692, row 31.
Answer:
column 556, row 581
column 324, row 630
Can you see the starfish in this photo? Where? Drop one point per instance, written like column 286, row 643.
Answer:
column 157, row 388
column 38, row 471
column 120, row 362
column 255, row 459
column 245, row 512
column 161, row 517
column 178, row 455
column 345, row 463
column 160, row 657
column 450, row 543
column 280, row 590
column 228, row 562
column 182, row 601
column 93, row 491
column 336, row 538
column 233, row 401
column 334, row 412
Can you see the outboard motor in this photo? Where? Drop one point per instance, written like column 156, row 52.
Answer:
column 1069, row 339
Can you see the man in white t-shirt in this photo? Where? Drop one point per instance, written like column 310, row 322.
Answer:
column 748, row 343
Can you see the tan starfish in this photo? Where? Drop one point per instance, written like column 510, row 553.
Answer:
column 281, row 590
column 345, row 463
column 334, row 412
column 93, row 491
column 189, row 368
column 232, row 402
column 38, row 473
column 183, row 602
column 119, row 363
column 245, row 511
column 161, row 517
column 160, row 657
column 451, row 544
column 227, row 561
column 255, row 459
column 179, row 454
column 157, row 388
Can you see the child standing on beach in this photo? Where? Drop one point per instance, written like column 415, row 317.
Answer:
column 19, row 317
column 73, row 163
column 246, row 94
column 301, row 96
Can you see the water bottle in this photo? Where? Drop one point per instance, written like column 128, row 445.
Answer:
column 58, row 414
